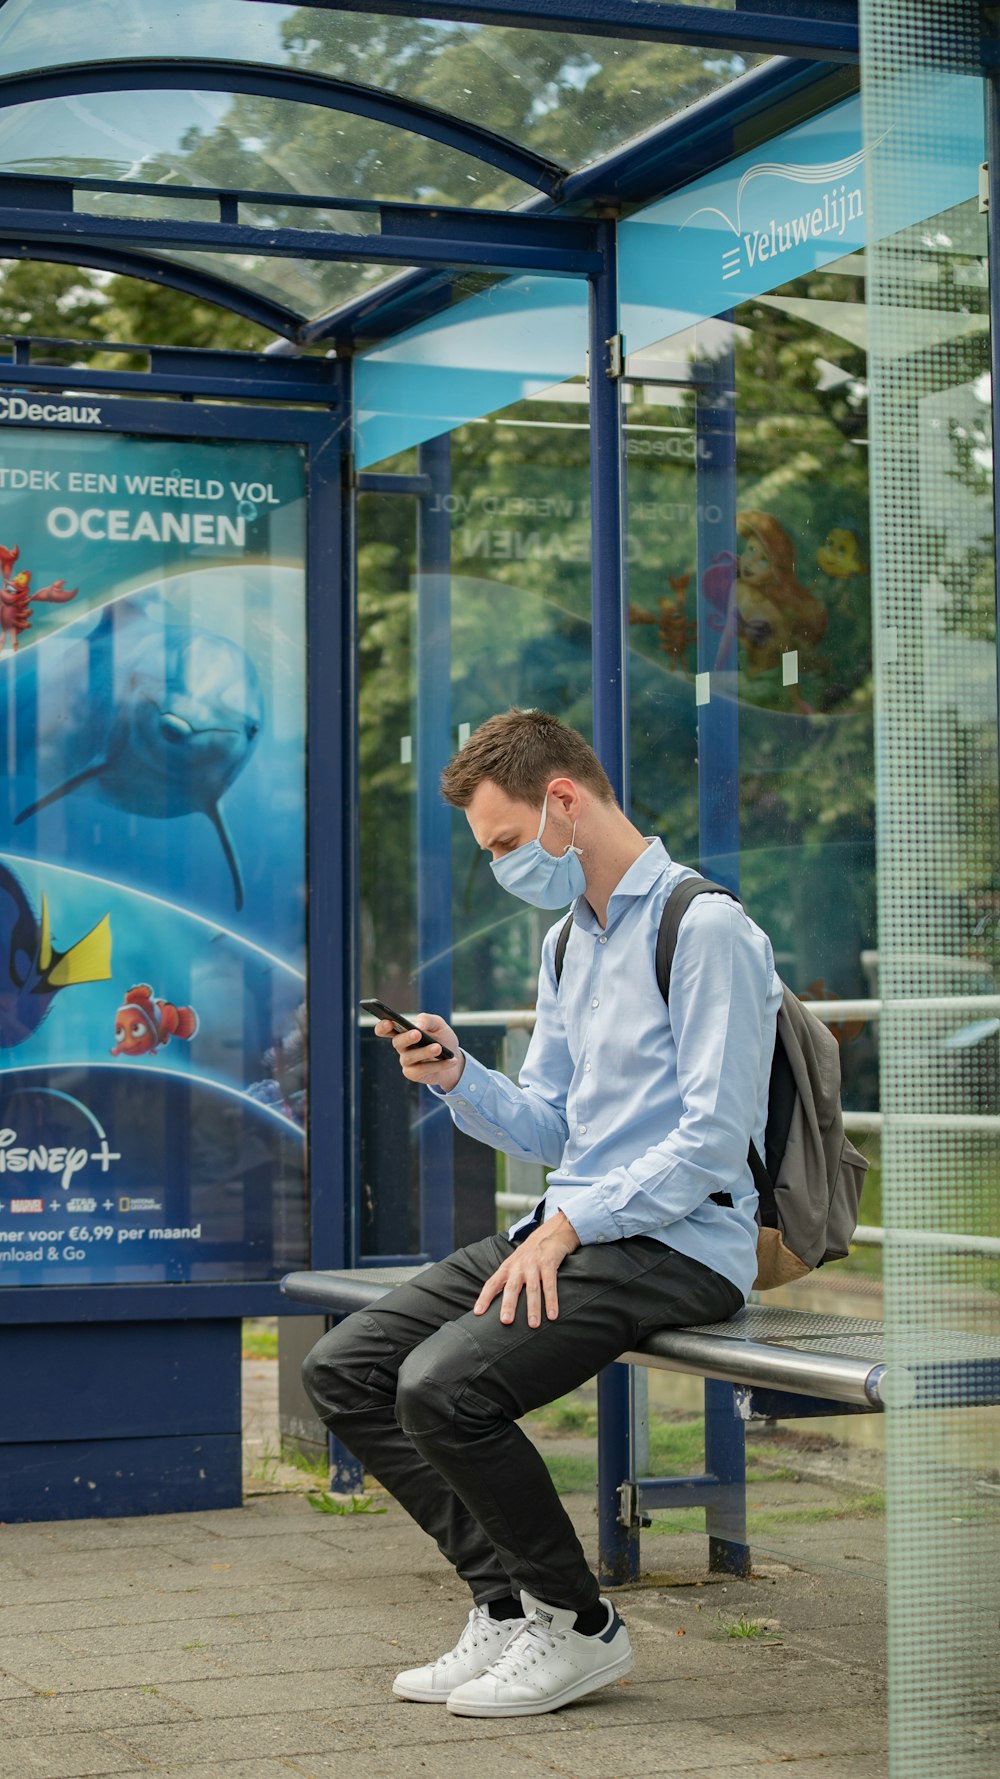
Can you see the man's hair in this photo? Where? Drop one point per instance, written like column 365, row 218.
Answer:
column 521, row 751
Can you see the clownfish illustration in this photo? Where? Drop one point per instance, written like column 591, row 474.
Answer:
column 143, row 1025
column 841, row 555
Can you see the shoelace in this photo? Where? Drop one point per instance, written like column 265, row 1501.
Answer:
column 470, row 1638
column 526, row 1648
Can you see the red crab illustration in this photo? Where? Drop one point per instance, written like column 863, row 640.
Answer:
column 17, row 598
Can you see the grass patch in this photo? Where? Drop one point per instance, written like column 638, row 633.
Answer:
column 326, row 1503
column 566, row 1415
column 746, row 1629
column 300, row 1460
column 775, row 1519
column 676, row 1448
column 260, row 1341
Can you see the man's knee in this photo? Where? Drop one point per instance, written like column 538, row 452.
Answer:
column 440, row 1392
column 337, row 1372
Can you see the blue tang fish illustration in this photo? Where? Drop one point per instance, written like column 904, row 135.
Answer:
column 32, row 971
column 179, row 710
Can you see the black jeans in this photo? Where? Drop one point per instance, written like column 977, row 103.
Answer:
column 427, row 1396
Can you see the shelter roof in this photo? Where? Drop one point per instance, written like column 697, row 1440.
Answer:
column 335, row 127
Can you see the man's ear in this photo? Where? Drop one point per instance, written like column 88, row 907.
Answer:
column 567, row 792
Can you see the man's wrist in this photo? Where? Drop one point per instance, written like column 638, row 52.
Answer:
column 567, row 1230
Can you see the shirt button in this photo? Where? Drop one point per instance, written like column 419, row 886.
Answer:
column 603, row 939
column 582, row 1128
column 600, row 1238
column 587, row 1068
column 595, row 1003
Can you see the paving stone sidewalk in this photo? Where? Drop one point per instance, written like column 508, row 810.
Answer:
column 261, row 1643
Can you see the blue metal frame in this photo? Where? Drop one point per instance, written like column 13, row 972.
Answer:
column 198, row 371
column 827, row 28
column 331, row 1015
column 293, row 85
column 484, row 240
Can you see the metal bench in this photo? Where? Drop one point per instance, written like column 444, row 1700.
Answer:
column 765, row 1362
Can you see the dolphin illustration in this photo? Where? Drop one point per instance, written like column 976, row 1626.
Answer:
column 181, row 710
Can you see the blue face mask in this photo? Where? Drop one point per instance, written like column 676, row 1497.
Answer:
column 544, row 879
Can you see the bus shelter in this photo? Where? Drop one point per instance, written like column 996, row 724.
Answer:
column 631, row 359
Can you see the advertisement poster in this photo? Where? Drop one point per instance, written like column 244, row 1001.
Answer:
column 152, row 859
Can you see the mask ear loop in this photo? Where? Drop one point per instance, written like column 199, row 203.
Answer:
column 541, row 828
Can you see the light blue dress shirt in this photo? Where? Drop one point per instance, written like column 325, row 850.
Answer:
column 642, row 1112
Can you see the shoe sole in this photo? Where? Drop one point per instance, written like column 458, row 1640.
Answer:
column 419, row 1698
column 576, row 1690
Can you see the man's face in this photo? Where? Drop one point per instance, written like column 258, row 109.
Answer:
column 500, row 824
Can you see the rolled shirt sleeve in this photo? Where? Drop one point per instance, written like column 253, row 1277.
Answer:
column 527, row 1120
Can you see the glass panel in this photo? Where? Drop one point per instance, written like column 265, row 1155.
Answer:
column 244, row 142
column 572, row 98
column 751, row 596
column 308, row 287
column 503, row 619
column 152, row 857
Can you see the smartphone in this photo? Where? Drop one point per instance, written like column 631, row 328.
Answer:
column 402, row 1024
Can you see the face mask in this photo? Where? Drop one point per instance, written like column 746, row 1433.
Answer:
column 539, row 877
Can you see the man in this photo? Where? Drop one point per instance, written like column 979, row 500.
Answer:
column 645, row 1118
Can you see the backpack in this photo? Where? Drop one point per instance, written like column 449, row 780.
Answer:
column 810, row 1178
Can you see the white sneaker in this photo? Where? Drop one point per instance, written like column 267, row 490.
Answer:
column 482, row 1641
column 546, row 1664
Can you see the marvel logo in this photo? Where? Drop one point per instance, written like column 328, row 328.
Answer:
column 26, row 1205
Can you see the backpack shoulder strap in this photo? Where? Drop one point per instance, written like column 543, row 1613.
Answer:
column 674, row 910
column 561, row 944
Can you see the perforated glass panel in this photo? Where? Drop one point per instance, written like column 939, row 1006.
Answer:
column 934, row 623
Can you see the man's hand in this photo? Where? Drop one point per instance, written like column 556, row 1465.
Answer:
column 430, row 1069
column 532, row 1269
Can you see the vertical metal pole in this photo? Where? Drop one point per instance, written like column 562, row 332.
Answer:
column 332, row 854
column 725, row 1459
column 433, row 748
column 619, row 1545
column 333, row 586
column 719, row 848
column 351, row 849
column 991, row 84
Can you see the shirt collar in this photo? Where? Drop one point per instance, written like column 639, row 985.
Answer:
column 638, row 880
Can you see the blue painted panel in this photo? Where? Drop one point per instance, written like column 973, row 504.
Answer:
column 786, row 208
column 109, row 1382
column 100, row 1479
column 768, row 216
column 499, row 347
